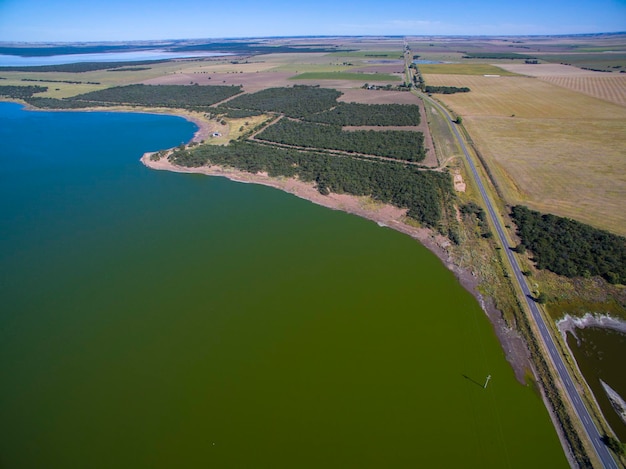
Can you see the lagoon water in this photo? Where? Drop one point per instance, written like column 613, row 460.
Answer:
column 155, row 319
column 16, row 60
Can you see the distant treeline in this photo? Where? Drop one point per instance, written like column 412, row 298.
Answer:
column 53, row 103
column 253, row 48
column 78, row 67
column 234, row 47
column 346, row 114
column 47, row 51
column 71, row 82
column 21, row 92
column 129, row 69
column 570, row 248
column 178, row 96
column 400, row 145
column 496, row 55
column 445, row 89
column 298, row 101
column 423, row 193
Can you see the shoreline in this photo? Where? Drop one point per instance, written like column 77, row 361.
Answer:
column 570, row 323
column 384, row 215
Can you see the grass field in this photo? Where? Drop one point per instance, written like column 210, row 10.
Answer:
column 371, row 54
column 365, row 77
column 463, row 69
column 550, row 148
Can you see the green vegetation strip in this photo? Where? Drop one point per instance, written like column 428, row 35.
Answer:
column 80, row 67
column 426, row 194
column 497, row 55
column 371, row 54
column 368, row 114
column 21, row 92
column 446, row 89
column 297, row 101
column 189, row 97
column 408, row 146
column 346, row 76
column 463, row 69
column 570, row 248
column 161, row 95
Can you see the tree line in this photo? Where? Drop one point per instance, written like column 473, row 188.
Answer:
column 445, row 89
column 408, row 146
column 79, row 67
column 570, row 248
column 21, row 92
column 177, row 96
column 191, row 97
column 356, row 114
column 424, row 193
column 297, row 101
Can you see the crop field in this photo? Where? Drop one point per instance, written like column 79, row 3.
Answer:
column 608, row 87
column 551, row 148
column 363, row 77
column 463, row 69
column 371, row 54
column 613, row 61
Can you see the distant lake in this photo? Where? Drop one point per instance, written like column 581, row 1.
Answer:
column 157, row 320
column 14, row 60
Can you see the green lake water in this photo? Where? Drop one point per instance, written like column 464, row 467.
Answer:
column 159, row 320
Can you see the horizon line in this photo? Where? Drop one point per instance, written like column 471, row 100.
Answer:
column 91, row 41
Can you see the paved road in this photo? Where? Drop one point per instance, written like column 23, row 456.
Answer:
column 583, row 414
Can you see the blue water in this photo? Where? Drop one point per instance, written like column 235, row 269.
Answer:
column 14, row 60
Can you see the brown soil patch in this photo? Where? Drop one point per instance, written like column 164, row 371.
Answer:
column 459, row 185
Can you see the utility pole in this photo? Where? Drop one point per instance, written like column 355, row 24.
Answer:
column 487, row 382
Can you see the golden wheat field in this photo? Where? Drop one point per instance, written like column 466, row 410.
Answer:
column 609, row 87
column 549, row 147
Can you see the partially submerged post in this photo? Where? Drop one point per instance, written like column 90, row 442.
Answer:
column 486, row 382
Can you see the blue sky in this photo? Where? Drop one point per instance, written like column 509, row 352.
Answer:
column 98, row 20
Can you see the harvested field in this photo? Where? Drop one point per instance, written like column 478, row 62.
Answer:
column 608, row 87
column 519, row 96
column 548, row 70
column 563, row 152
column 463, row 69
